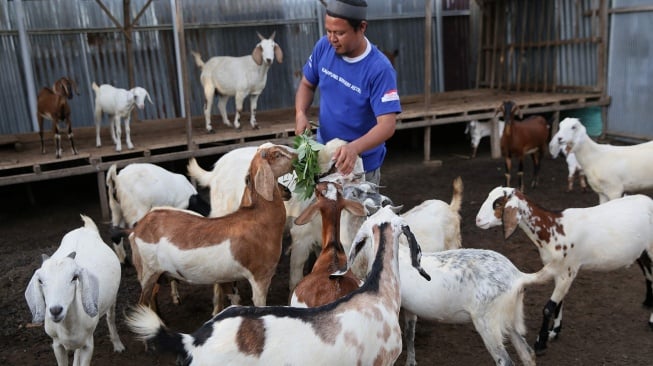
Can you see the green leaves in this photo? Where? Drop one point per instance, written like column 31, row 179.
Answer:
column 307, row 167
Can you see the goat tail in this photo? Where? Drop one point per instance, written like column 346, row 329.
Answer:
column 201, row 176
column 88, row 223
column 111, row 181
column 198, row 59
column 148, row 327
column 543, row 275
column 95, row 87
column 457, row 196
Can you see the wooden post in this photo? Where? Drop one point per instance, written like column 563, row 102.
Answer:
column 179, row 22
column 428, row 26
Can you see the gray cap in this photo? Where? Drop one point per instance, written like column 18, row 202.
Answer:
column 347, row 9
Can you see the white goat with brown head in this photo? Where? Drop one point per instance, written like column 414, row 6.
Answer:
column 239, row 77
column 361, row 328
column 244, row 245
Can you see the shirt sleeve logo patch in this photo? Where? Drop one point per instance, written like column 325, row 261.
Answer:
column 390, row 96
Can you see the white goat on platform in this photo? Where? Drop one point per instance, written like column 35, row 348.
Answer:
column 72, row 290
column 117, row 103
column 239, row 77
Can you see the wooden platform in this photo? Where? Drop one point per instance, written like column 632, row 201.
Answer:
column 167, row 140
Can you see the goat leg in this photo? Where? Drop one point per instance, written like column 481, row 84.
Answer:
column 645, row 263
column 543, row 336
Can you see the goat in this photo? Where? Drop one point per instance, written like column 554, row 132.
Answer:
column 435, row 223
column 72, row 290
column 318, row 287
column 367, row 318
column 52, row 104
column 245, row 244
column 141, row 186
column 239, row 77
column 527, row 137
column 469, row 285
column 610, row 170
column 603, row 238
column 477, row 130
column 573, row 167
column 117, row 103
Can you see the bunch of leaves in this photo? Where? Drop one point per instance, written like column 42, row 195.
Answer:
column 306, row 166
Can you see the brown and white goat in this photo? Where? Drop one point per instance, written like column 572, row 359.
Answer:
column 318, row 287
column 245, row 244
column 361, row 328
column 52, row 104
column 521, row 138
column 606, row 237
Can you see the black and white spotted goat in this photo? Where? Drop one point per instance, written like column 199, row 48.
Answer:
column 361, row 328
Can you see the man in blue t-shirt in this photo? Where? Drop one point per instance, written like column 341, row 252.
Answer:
column 359, row 101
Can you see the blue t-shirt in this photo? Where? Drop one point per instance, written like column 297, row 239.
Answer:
column 353, row 92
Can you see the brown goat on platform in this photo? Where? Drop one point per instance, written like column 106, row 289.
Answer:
column 521, row 138
column 52, row 104
column 318, row 287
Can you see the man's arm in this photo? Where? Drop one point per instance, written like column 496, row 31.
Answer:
column 303, row 100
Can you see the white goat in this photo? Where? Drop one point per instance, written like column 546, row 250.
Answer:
column 573, row 167
column 141, row 186
column 72, row 290
column 477, row 130
column 239, row 77
column 361, row 328
column 604, row 238
column 244, row 245
column 611, row 170
column 117, row 103
column 469, row 285
column 435, row 223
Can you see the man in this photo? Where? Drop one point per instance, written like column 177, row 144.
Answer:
column 358, row 90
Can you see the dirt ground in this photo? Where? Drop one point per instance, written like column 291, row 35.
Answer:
column 604, row 321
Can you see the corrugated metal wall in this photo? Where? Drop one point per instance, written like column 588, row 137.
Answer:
column 630, row 70
column 78, row 39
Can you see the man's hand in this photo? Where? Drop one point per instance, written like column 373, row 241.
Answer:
column 345, row 158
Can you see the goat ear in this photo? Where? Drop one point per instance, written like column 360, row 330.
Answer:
column 74, row 84
column 35, row 300
column 148, row 97
column 90, row 292
column 264, row 181
column 307, row 215
column 415, row 252
column 257, row 55
column 510, row 220
column 278, row 53
column 355, row 208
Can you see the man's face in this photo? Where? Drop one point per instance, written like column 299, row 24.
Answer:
column 344, row 39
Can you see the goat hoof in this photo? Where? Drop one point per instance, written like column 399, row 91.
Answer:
column 255, row 127
column 211, row 131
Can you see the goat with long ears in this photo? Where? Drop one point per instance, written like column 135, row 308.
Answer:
column 361, row 328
